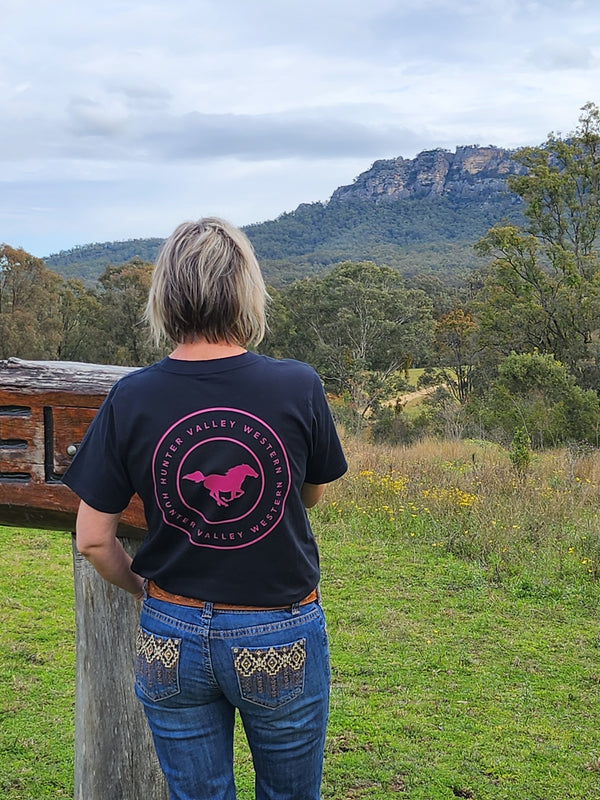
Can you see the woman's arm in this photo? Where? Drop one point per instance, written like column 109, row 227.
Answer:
column 311, row 493
column 96, row 538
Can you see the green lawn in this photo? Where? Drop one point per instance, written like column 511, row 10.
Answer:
column 445, row 686
column 454, row 674
column 37, row 665
column 414, row 373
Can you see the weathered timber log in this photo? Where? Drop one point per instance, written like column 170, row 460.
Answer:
column 45, row 408
column 114, row 754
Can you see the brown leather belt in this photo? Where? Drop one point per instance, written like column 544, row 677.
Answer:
column 152, row 590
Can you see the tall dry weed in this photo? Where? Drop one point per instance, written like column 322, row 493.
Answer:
column 467, row 497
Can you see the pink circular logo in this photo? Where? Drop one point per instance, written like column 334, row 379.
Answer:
column 222, row 477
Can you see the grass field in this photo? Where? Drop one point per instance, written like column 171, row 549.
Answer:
column 414, row 373
column 462, row 604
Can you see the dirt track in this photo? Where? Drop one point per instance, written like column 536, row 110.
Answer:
column 407, row 398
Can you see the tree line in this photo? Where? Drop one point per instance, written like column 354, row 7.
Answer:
column 514, row 347
column 43, row 316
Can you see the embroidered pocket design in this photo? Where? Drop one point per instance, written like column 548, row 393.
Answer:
column 157, row 665
column 270, row 676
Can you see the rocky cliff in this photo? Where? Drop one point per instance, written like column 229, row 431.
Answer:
column 470, row 173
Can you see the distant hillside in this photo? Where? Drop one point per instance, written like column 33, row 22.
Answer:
column 88, row 261
column 419, row 215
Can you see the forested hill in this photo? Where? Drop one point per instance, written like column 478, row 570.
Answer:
column 421, row 215
column 89, row 261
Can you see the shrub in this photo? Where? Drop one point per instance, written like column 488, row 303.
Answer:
column 391, row 426
column 520, row 452
column 537, row 393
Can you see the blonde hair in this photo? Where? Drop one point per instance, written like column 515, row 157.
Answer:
column 207, row 283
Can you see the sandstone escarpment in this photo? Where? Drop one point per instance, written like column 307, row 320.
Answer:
column 470, row 173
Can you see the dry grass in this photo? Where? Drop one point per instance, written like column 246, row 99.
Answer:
column 467, row 496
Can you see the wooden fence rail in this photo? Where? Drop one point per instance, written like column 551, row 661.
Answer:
column 45, row 408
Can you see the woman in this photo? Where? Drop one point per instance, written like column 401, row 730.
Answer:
column 227, row 449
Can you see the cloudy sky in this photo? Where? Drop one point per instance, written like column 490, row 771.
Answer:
column 121, row 118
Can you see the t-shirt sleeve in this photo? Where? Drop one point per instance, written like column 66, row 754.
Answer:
column 98, row 473
column 326, row 461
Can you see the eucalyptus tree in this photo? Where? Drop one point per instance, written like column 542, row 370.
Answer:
column 359, row 326
column 122, row 294
column 82, row 338
column 456, row 342
column 29, row 306
column 542, row 288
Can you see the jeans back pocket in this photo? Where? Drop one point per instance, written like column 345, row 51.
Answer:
column 270, row 676
column 157, row 664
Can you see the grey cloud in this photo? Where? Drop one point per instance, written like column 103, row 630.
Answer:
column 139, row 95
column 477, row 31
column 562, row 55
column 114, row 130
column 88, row 117
column 100, row 131
column 273, row 136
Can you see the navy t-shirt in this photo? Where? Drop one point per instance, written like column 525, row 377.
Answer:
column 218, row 451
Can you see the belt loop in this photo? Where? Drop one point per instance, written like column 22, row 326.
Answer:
column 295, row 608
column 207, row 610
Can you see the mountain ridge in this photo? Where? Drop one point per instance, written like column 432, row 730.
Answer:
column 409, row 213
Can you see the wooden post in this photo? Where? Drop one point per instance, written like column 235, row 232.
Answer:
column 45, row 408
column 114, row 754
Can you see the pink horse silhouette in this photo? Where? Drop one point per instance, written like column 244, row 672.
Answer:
column 230, row 483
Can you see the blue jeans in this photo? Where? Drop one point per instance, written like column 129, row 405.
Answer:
column 194, row 667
